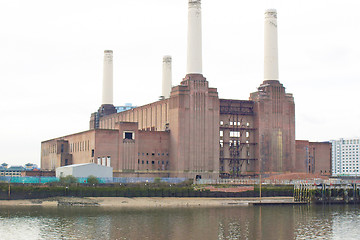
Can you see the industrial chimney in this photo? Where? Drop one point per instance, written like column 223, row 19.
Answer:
column 107, row 93
column 271, row 71
column 107, row 107
column 194, row 50
column 166, row 77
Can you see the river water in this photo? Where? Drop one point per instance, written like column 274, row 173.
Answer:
column 238, row 222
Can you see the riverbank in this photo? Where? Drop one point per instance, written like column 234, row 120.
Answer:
column 144, row 202
column 39, row 191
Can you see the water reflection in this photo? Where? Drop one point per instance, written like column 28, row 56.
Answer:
column 245, row 222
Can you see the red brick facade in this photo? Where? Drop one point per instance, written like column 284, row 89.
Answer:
column 275, row 124
column 313, row 157
column 194, row 133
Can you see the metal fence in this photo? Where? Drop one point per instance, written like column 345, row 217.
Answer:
column 255, row 181
column 124, row 180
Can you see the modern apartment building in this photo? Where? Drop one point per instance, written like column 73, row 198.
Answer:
column 345, row 157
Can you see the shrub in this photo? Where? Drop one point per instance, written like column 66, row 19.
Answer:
column 68, row 179
column 92, row 180
column 157, row 180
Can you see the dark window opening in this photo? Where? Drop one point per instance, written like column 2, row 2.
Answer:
column 128, row 135
column 153, row 154
column 62, row 148
column 152, row 162
column 147, row 162
column 92, row 152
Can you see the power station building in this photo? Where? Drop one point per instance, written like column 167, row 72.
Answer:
column 190, row 132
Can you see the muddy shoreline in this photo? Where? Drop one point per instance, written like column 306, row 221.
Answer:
column 147, row 202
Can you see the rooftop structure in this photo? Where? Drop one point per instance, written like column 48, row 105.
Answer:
column 85, row 170
column 126, row 107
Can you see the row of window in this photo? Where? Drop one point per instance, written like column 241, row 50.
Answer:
column 346, row 151
column 10, row 173
column 152, row 162
column 232, row 143
column 235, row 134
column 235, row 123
column 104, row 161
column 351, row 141
column 79, row 146
column 153, row 154
column 52, row 148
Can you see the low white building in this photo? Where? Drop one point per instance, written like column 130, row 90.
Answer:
column 85, row 170
column 345, row 157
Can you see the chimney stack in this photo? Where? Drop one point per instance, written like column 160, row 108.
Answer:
column 271, row 69
column 166, row 77
column 194, row 50
column 107, row 94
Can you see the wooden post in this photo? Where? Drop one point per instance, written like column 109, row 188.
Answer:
column 260, row 186
column 294, row 195
column 354, row 193
column 9, row 192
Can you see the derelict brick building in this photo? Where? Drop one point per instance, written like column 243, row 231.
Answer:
column 190, row 131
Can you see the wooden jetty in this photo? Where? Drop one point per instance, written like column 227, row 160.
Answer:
column 327, row 193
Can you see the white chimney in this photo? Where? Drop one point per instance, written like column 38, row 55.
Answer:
column 194, row 50
column 107, row 94
column 271, row 69
column 166, row 77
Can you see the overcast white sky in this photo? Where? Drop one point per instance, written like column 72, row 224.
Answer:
column 51, row 55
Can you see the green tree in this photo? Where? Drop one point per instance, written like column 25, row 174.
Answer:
column 92, row 180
